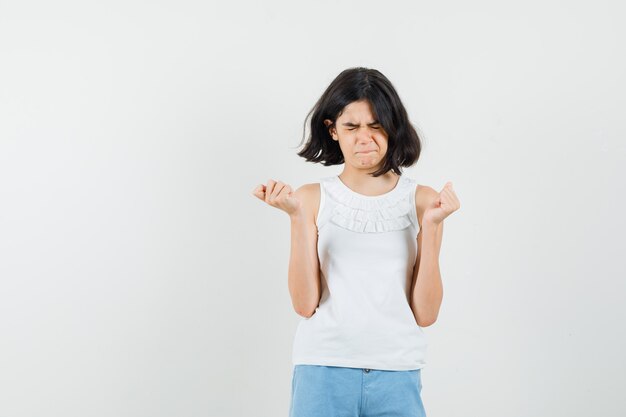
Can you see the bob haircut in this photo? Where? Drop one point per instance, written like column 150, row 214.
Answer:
column 354, row 84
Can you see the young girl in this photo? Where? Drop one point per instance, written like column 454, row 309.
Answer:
column 364, row 270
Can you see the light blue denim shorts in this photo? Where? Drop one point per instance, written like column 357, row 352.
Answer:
column 334, row 391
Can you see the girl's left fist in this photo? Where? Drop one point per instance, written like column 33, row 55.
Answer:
column 445, row 204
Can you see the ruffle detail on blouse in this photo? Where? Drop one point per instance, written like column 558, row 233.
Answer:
column 385, row 213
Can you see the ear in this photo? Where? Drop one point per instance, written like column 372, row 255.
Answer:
column 332, row 131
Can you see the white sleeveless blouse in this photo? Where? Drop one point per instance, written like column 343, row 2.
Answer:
column 367, row 247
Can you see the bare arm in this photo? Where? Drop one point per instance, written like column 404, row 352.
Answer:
column 304, row 275
column 427, row 288
column 302, row 206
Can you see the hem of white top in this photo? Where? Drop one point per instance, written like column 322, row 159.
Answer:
column 358, row 364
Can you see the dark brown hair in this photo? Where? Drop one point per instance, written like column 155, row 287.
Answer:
column 354, row 84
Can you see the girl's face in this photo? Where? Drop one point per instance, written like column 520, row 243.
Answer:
column 362, row 139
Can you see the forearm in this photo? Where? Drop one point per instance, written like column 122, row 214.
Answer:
column 304, row 280
column 427, row 292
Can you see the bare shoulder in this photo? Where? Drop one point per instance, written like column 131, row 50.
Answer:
column 309, row 194
column 424, row 196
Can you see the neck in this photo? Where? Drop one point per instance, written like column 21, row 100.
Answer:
column 362, row 182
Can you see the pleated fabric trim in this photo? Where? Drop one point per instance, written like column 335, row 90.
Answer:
column 371, row 214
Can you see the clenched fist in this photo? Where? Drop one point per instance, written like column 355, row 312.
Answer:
column 278, row 194
column 445, row 204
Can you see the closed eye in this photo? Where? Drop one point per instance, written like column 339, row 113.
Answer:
column 374, row 127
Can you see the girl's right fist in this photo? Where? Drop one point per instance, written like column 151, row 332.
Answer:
column 278, row 194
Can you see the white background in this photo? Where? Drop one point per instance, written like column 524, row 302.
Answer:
column 140, row 277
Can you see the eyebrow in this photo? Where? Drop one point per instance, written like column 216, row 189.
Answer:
column 375, row 122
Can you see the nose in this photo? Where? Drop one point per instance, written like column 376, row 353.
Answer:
column 364, row 137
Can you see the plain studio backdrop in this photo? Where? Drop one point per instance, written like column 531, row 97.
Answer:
column 140, row 277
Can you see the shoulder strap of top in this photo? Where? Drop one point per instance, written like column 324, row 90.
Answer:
column 413, row 217
column 318, row 220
